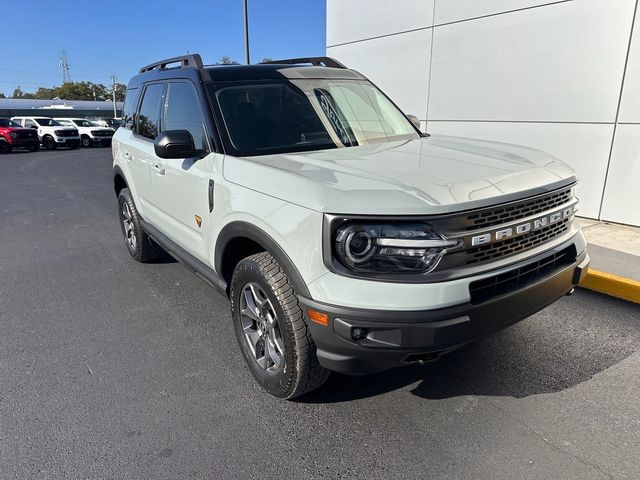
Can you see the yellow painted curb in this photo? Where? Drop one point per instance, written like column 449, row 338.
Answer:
column 613, row 285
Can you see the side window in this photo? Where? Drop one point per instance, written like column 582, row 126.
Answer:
column 130, row 103
column 29, row 123
column 149, row 115
column 183, row 112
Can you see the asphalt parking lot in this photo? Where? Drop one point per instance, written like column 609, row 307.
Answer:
column 113, row 369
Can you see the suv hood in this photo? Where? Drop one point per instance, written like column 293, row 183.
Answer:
column 437, row 174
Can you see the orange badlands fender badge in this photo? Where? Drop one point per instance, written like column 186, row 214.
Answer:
column 198, row 220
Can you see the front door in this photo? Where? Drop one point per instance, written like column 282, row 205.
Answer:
column 180, row 187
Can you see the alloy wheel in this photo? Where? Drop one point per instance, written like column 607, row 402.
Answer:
column 262, row 333
column 127, row 222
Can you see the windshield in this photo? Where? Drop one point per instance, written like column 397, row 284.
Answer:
column 84, row 123
column 310, row 114
column 66, row 123
column 5, row 122
column 46, row 122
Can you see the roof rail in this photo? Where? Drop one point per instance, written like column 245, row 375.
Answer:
column 317, row 61
column 186, row 61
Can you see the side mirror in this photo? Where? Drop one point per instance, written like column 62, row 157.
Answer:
column 414, row 120
column 175, row 144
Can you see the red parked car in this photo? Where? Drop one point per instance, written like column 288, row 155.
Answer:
column 13, row 136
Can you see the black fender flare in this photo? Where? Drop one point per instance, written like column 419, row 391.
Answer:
column 247, row 230
column 117, row 171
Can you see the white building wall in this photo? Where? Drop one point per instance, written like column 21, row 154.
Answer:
column 548, row 74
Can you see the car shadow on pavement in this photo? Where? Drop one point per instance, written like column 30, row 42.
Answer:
column 163, row 259
column 543, row 354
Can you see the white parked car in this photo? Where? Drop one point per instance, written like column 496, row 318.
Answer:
column 51, row 133
column 90, row 133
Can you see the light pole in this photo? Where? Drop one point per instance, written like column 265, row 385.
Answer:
column 113, row 90
column 246, row 31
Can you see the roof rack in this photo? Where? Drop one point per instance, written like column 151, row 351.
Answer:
column 317, row 61
column 186, row 61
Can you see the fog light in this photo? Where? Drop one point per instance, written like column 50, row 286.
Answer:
column 358, row 333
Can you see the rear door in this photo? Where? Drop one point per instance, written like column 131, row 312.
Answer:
column 137, row 149
column 180, row 187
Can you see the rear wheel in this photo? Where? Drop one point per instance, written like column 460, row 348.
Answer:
column 139, row 244
column 48, row 142
column 272, row 334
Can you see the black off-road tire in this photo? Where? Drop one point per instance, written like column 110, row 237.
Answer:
column 302, row 372
column 5, row 147
column 143, row 248
column 48, row 142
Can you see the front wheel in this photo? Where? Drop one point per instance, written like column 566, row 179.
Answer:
column 49, row 143
column 5, row 147
column 86, row 141
column 270, row 329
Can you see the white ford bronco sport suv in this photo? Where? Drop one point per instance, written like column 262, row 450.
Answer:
column 345, row 239
column 90, row 133
column 51, row 133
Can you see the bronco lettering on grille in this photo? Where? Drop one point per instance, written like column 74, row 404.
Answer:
column 523, row 228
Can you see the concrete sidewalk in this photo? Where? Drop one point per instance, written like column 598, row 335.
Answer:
column 615, row 259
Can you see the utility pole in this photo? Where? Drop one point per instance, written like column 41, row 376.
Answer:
column 113, row 90
column 246, row 31
column 64, row 65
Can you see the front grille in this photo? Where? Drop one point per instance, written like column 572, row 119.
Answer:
column 102, row 133
column 507, row 213
column 518, row 278
column 516, row 244
column 25, row 134
column 67, row 133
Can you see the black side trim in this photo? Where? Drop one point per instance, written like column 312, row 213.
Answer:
column 244, row 229
column 211, row 184
column 202, row 270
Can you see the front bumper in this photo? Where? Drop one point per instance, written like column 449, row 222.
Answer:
column 24, row 142
column 67, row 141
column 394, row 338
column 102, row 141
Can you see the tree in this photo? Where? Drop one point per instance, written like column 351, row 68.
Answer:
column 2, row 95
column 227, row 61
column 75, row 91
column 17, row 93
column 120, row 90
column 266, row 59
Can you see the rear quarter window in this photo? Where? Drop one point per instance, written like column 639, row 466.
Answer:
column 130, row 102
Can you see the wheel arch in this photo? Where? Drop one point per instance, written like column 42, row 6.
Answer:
column 119, row 180
column 238, row 240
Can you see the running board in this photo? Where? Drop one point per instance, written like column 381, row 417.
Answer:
column 200, row 269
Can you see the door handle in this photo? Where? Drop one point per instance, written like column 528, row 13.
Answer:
column 158, row 168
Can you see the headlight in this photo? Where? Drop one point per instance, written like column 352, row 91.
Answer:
column 400, row 247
